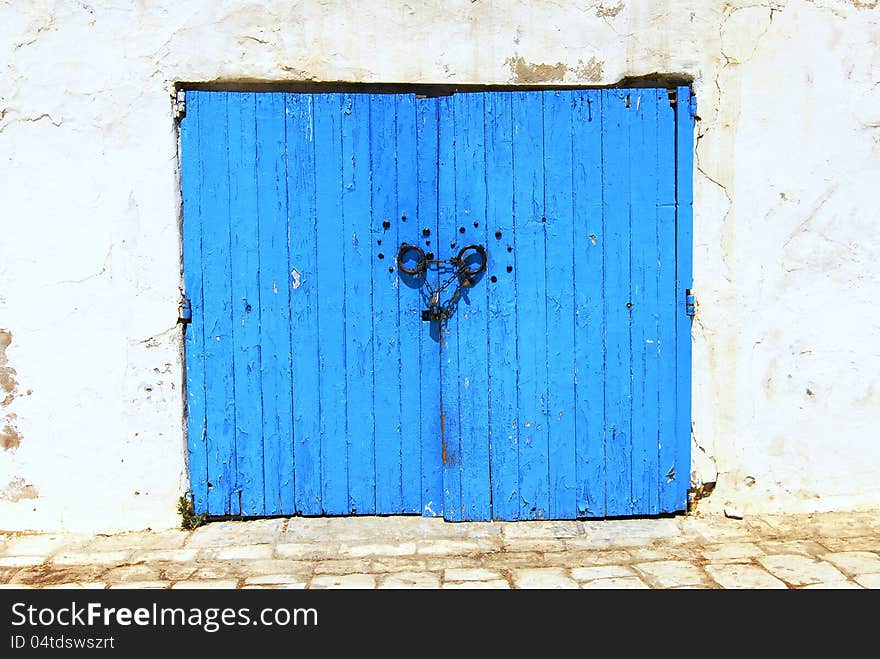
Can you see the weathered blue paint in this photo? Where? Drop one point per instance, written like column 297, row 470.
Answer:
column 502, row 318
column 667, row 439
column 616, row 125
column 274, row 315
column 217, row 311
column 302, row 283
column 357, row 258
column 589, row 244
column 645, row 311
column 561, row 389
column 331, row 285
column 686, row 109
column 386, row 311
column 470, row 327
column 247, row 492
column 559, row 254
column 529, row 225
column 448, row 234
column 409, row 318
column 428, row 374
column 193, row 195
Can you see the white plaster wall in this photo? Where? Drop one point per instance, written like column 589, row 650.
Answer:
column 787, row 220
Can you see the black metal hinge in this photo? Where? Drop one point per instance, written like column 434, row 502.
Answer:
column 184, row 310
column 689, row 303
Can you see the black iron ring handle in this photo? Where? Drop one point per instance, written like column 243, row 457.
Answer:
column 463, row 255
column 421, row 260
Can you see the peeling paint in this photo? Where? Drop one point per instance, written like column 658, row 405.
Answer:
column 8, row 383
column 17, row 490
column 609, row 12
column 591, row 70
column 296, row 278
column 527, row 72
column 9, row 437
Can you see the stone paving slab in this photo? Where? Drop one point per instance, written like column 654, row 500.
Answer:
column 397, row 549
column 803, row 547
column 224, row 534
column 862, row 543
column 733, row 552
column 855, row 562
column 350, row 581
column 199, row 584
column 301, row 585
column 871, row 581
column 543, row 577
column 543, row 530
column 669, row 574
column 78, row 585
column 601, row 572
column 20, row 561
column 738, row 576
column 833, row 585
column 828, row 550
column 401, row 580
column 470, row 574
column 169, row 539
column 491, row 584
column 799, row 570
column 141, row 585
column 616, row 583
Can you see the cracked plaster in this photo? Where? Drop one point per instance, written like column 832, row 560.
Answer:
column 785, row 365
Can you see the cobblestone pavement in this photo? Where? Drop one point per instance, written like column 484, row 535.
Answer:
column 828, row 550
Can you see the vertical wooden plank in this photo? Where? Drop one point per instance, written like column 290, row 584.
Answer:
column 643, row 203
column 448, row 234
column 502, row 316
column 429, row 346
column 244, row 259
column 302, row 282
column 528, row 158
column 386, row 312
column 275, row 316
column 410, row 305
column 616, row 118
column 589, row 244
column 559, row 228
column 219, row 383
column 684, row 154
column 331, row 307
column 666, row 304
column 192, row 185
column 471, row 310
column 357, row 275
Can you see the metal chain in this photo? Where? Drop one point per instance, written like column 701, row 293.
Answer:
column 433, row 297
column 436, row 310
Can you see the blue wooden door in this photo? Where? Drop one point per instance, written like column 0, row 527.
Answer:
column 566, row 369
column 558, row 388
column 312, row 384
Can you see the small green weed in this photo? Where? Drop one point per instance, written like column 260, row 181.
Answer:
column 188, row 518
